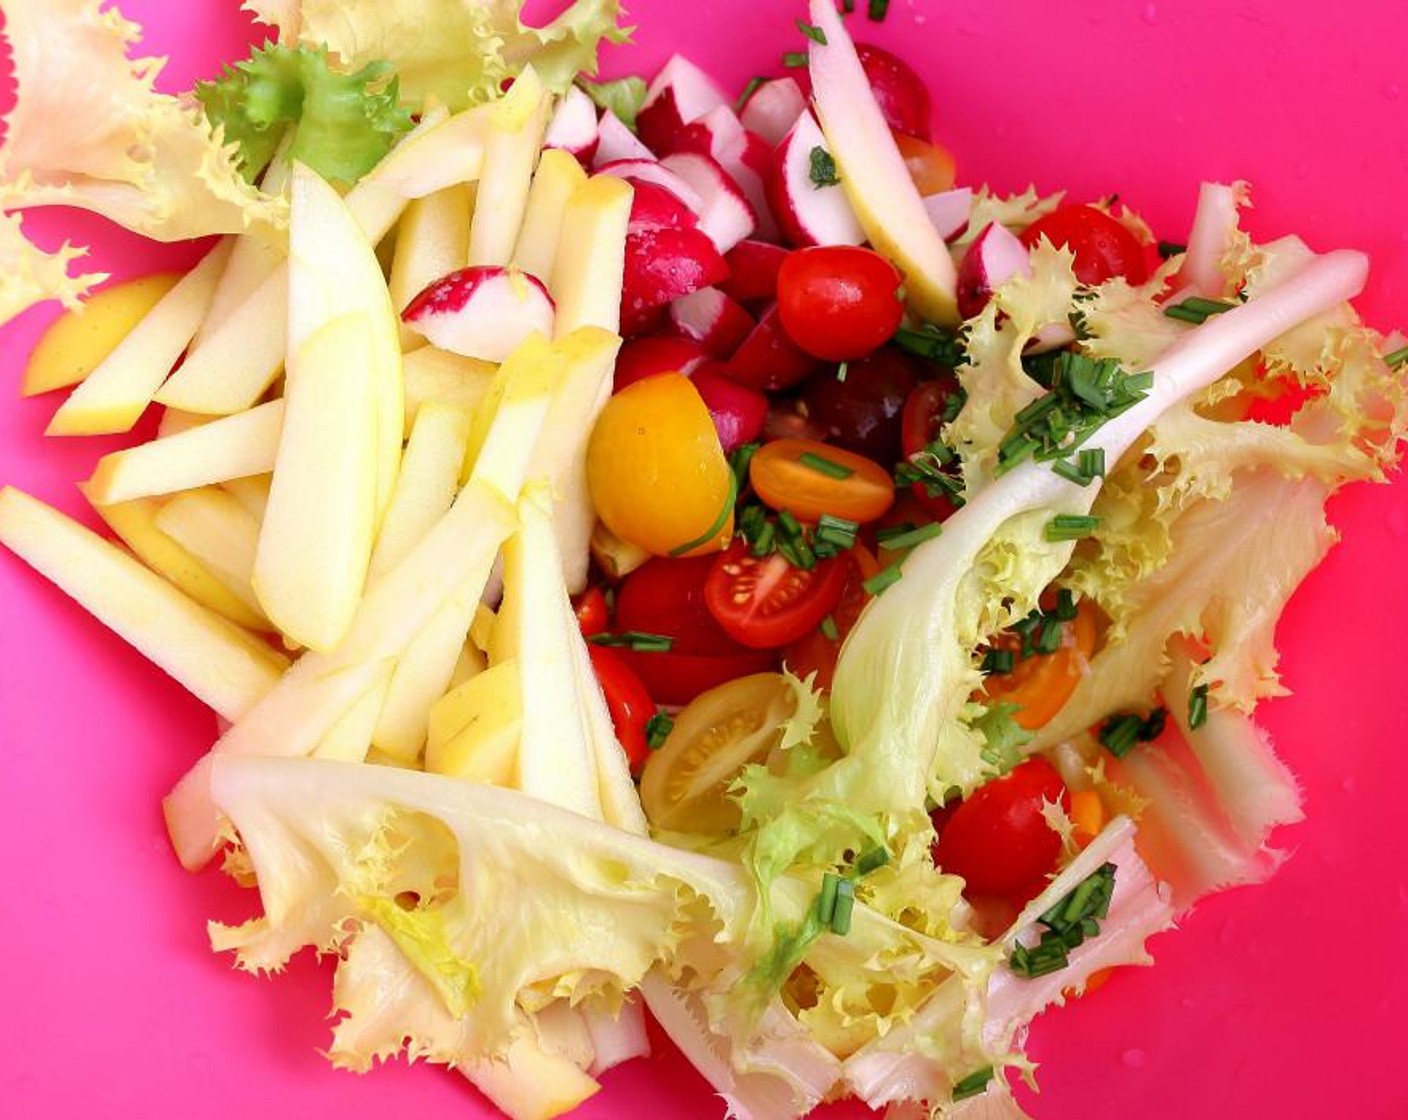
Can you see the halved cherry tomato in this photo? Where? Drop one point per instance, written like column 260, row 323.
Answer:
column 1103, row 248
column 839, row 302
column 815, row 652
column 931, row 167
column 628, row 701
column 685, row 783
column 766, row 602
column 997, row 839
column 809, row 479
column 1040, row 685
column 593, row 615
column 921, row 423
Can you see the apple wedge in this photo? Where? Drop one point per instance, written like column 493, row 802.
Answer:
column 351, row 737
column 470, row 663
column 252, row 493
column 556, row 180
column 255, row 257
column 442, row 153
column 474, row 728
column 113, row 397
column 219, row 663
column 174, row 421
column 220, row 533
column 590, row 265
column 432, row 240
column 517, row 123
column 435, row 375
column 511, row 417
column 224, row 449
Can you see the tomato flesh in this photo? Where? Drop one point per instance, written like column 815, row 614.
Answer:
column 1103, row 248
column 1039, row 685
column 765, row 602
column 839, row 302
column 997, row 840
column 931, row 167
column 628, row 701
column 921, row 422
column 815, row 653
column 809, row 479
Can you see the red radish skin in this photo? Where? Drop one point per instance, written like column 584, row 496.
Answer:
column 808, row 214
column 573, row 127
column 617, row 142
column 768, row 359
column 655, row 207
column 654, row 354
column 995, row 256
column 662, row 265
column 482, row 312
column 773, row 108
column 744, row 158
column 681, row 93
column 725, row 215
column 737, row 411
column 753, row 267
column 901, row 93
column 713, row 320
column 652, row 171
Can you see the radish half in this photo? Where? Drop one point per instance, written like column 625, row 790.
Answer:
column 573, row 127
column 724, row 214
column 713, row 320
column 744, row 156
column 808, row 212
column 615, row 142
column 482, row 312
column 654, row 207
column 661, row 266
column 769, row 359
column 753, row 267
column 773, row 108
column 949, row 211
column 653, row 171
column 995, row 256
column 680, row 93
column 654, row 354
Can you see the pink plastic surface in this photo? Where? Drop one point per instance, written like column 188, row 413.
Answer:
column 1280, row 1001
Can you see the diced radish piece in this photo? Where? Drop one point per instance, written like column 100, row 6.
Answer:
column 652, row 171
column 809, row 214
column 615, row 141
column 753, row 267
column 768, row 359
column 654, row 207
column 654, row 354
column 995, row 256
column 899, row 91
column 720, row 135
column 737, row 411
column 573, row 127
column 773, row 108
column 713, row 320
column 725, row 214
column 949, row 211
column 680, row 93
column 482, row 312
column 661, row 266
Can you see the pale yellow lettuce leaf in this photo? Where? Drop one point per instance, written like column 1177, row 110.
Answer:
column 28, row 275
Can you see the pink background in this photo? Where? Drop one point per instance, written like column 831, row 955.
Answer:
column 1279, row 1001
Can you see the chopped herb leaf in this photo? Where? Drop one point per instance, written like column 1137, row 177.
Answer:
column 973, row 1085
column 1066, row 609
column 1048, row 635
column 871, row 860
column 1397, row 358
column 740, row 461
column 1071, row 527
column 822, row 465
column 754, row 84
column 932, row 343
column 907, row 536
column 1198, row 707
column 812, row 32
column 1068, row 923
column 657, row 730
column 636, row 640
column 822, row 171
column 1121, row 733
column 1196, row 309
column 826, row 900
column 883, row 579
column 837, row 531
column 795, row 60
column 719, row 522
column 845, row 904
column 1170, row 249
column 829, row 630
column 1092, row 462
column 877, row 9
column 999, row 661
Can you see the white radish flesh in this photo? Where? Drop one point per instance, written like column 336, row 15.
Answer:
column 482, row 312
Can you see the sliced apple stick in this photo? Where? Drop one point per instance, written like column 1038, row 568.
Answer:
column 220, row 533
column 218, row 662
column 224, row 449
column 590, row 261
column 441, row 153
column 256, row 256
column 557, row 178
column 516, row 126
column 321, row 687
column 174, row 421
column 351, row 737
column 474, row 729
column 616, row 789
column 251, row 492
column 113, row 397
column 433, row 374
column 431, row 241
column 426, row 487
column 135, row 525
column 511, row 417
column 470, row 663
column 79, row 340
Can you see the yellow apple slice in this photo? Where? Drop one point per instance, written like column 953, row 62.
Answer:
column 80, row 340
column 351, row 737
column 256, row 256
column 228, row 448
column 590, row 262
column 448, row 152
column 516, row 126
column 474, row 730
column 115, row 394
column 433, row 374
column 508, row 421
column 316, row 539
column 218, row 662
column 558, row 176
column 174, row 421
column 251, row 492
column 431, row 241
column 221, row 534
column 470, row 663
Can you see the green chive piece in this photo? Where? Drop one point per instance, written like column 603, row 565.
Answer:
column 765, row 541
column 1070, row 472
column 823, row 465
column 1397, row 358
column 1198, row 707
column 838, row 531
column 657, row 730
column 1154, row 725
column 740, row 462
column 812, row 32
column 635, row 640
column 1091, row 462
column 848, row 6
column 754, row 84
column 826, row 900
column 930, row 342
column 795, row 60
column 871, row 860
column 882, row 580
column 843, row 369
column 1071, row 527
column 822, row 169
column 973, row 1085
column 829, row 630
column 1066, row 609
column 730, row 499
column 1138, row 383
column 877, row 9
column 1120, row 734
column 845, row 903
column 1170, row 249
column 789, row 526
column 1196, row 309
column 1178, row 311
column 1041, row 960
column 908, row 536
column 998, row 661
column 1048, row 635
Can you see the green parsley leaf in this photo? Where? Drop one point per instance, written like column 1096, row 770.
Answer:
column 823, row 169
column 624, row 97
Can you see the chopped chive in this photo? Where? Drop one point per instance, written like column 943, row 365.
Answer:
column 1154, row 725
column 842, row 368
column 1040, row 960
column 1178, row 311
column 972, row 1085
column 719, row 522
column 1092, row 462
column 826, row 900
column 812, row 32
column 871, row 860
column 740, row 461
column 795, row 60
column 1048, row 635
column 822, row 168
column 1170, row 249
column 754, row 84
column 1120, row 734
column 765, row 540
column 932, row 343
column 798, row 553
column 838, row 531
column 1196, row 309
column 789, row 526
column 1198, row 707
column 823, row 465
column 1071, row 527
column 1070, row 472
column 882, row 580
column 877, row 9
column 657, row 730
column 1397, row 358
column 636, row 640
column 829, row 630
column 1137, row 383
column 998, row 661
column 1066, row 609
column 907, row 536
column 845, row 903
column 848, row 6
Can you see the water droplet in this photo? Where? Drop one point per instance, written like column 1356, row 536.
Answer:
column 1134, row 1058
column 1151, row 14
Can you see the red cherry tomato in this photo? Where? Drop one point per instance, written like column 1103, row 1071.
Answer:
column 629, row 702
column 839, row 302
column 1102, row 246
column 997, row 839
column 816, row 652
column 593, row 615
column 765, row 602
column 921, row 422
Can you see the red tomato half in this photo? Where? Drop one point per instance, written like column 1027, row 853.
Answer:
column 1102, row 246
column 815, row 652
column 997, row 839
column 839, row 302
column 593, row 615
column 765, row 602
column 628, row 700
column 921, row 422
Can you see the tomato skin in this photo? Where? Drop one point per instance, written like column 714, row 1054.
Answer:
column 628, row 700
column 930, row 166
column 839, row 302
column 1103, row 248
column 782, row 479
column 764, row 602
column 921, row 422
column 593, row 615
column 677, row 678
column 997, row 839
column 1040, row 685
column 814, row 652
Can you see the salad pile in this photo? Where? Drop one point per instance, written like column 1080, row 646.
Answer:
column 652, row 552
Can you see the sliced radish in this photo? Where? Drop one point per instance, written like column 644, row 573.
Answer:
column 482, row 312
column 899, row 91
column 725, row 214
column 661, row 266
column 753, row 267
column 768, row 359
column 680, row 93
column 654, row 207
column 720, row 135
column 949, row 211
column 809, row 214
column 616, row 141
column 713, row 320
column 652, row 171
column 995, row 256
column 573, row 127
column 654, row 354
column 773, row 108
column 737, row 411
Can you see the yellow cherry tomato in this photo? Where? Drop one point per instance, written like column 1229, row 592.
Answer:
column 657, row 474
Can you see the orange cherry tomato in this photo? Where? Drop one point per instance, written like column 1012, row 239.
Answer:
column 930, row 166
column 657, row 474
column 1040, row 684
column 808, row 478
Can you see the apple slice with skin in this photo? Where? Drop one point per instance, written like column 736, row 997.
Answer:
column 995, row 256
column 617, row 142
column 589, row 269
column 220, row 533
column 809, row 212
column 725, row 214
column 516, row 126
column 474, row 729
column 350, row 739
column 573, row 127
column 435, row 375
column 485, row 311
column 679, row 94
column 773, row 108
column 219, row 663
column 432, row 240
column 556, row 180
column 444, row 152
